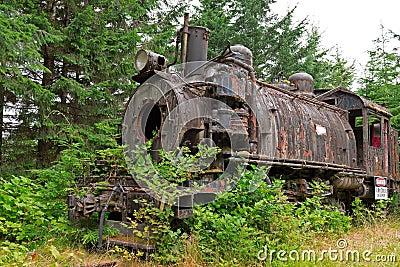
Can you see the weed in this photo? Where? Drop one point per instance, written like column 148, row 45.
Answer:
column 369, row 215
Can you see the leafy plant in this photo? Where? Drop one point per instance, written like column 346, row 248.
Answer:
column 162, row 179
column 12, row 253
column 367, row 215
column 24, row 216
column 246, row 220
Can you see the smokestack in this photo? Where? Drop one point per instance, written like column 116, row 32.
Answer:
column 194, row 43
column 197, row 44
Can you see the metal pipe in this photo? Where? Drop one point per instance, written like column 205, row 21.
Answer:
column 185, row 34
column 103, row 212
column 267, row 180
column 241, row 64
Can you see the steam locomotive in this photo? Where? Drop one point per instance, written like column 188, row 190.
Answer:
column 303, row 135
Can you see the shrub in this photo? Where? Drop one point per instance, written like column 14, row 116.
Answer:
column 24, row 216
column 369, row 215
column 244, row 221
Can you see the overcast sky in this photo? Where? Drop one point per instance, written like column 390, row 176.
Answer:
column 351, row 24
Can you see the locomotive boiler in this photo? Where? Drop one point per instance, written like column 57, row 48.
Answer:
column 335, row 137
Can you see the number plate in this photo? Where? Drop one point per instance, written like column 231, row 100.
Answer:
column 381, row 192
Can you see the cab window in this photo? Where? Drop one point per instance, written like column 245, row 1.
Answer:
column 374, row 124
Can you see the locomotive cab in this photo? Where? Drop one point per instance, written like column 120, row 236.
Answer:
column 377, row 150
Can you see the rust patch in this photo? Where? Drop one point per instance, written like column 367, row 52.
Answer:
column 307, row 153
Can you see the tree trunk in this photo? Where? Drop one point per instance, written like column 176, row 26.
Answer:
column 2, row 94
column 43, row 157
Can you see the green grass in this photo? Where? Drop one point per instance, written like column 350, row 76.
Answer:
column 377, row 241
column 381, row 239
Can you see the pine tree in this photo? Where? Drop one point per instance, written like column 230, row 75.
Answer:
column 81, row 58
column 381, row 83
column 279, row 44
column 20, row 42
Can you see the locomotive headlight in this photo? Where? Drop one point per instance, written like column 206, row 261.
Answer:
column 146, row 60
column 141, row 60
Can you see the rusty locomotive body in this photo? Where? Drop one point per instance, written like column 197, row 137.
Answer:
column 330, row 136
